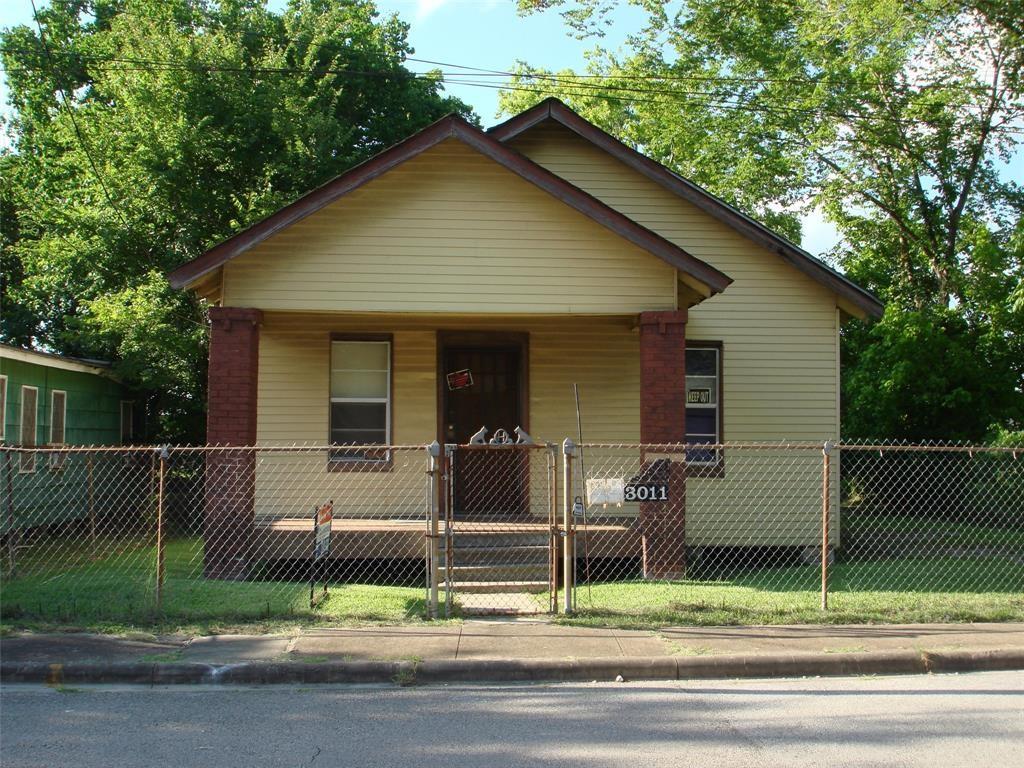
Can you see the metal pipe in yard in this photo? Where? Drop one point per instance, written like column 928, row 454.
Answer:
column 90, row 498
column 12, row 532
column 826, row 500
column 568, row 543
column 164, row 453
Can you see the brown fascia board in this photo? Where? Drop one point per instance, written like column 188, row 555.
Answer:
column 553, row 109
column 452, row 126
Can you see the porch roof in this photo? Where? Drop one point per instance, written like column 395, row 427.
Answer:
column 697, row 273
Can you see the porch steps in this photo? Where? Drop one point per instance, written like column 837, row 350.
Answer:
column 462, row 574
column 497, row 563
column 501, row 587
column 491, row 556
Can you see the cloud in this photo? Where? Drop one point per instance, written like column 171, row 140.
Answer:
column 426, row 7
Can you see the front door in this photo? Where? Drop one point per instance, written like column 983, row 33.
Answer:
column 487, row 482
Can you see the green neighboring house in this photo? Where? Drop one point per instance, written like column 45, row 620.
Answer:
column 51, row 400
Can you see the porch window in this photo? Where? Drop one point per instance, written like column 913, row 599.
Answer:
column 703, row 402
column 360, row 399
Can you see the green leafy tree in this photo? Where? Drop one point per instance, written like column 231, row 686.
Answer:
column 892, row 118
column 145, row 131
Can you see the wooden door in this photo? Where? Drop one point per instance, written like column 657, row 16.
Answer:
column 487, row 482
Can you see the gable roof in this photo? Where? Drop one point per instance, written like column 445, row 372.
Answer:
column 553, row 109
column 452, row 126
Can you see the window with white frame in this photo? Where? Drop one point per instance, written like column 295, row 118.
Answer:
column 703, row 402
column 360, row 399
column 27, row 438
column 58, row 417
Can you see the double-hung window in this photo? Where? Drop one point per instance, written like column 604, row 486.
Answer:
column 360, row 400
column 703, row 402
column 127, row 422
column 27, row 438
column 58, row 418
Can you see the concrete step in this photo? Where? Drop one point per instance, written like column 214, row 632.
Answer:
column 530, row 553
column 491, row 587
column 462, row 574
column 462, row 540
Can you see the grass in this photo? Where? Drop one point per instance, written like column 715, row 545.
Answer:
column 949, row 533
column 892, row 591
column 114, row 591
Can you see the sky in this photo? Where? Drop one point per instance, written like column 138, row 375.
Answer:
column 490, row 34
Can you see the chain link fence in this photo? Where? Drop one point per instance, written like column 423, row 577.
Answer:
column 647, row 534
column 914, row 532
column 213, row 533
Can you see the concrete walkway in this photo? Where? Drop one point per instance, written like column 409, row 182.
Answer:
column 531, row 647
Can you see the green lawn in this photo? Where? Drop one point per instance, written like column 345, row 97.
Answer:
column 859, row 524
column 117, row 590
column 111, row 587
column 884, row 591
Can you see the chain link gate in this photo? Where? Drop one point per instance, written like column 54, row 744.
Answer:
column 495, row 533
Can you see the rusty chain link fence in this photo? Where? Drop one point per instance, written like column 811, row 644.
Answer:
column 646, row 534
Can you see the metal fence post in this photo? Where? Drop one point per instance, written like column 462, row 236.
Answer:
column 12, row 531
column 568, row 542
column 826, row 503
column 164, row 454
column 436, row 491
column 90, row 500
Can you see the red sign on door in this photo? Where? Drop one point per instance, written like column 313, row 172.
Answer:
column 460, row 379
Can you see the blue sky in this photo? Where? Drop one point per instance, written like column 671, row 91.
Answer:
column 490, row 34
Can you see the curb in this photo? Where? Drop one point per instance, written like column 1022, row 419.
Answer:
column 516, row 670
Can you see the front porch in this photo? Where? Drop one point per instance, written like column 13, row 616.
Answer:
column 282, row 378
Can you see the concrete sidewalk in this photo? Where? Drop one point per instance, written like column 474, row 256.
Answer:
column 525, row 649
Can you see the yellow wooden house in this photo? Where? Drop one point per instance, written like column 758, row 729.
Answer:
column 536, row 255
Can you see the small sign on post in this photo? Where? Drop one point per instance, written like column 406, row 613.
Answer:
column 322, row 517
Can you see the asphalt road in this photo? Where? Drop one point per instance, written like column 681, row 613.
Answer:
column 946, row 720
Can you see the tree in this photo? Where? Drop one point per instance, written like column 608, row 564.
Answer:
column 891, row 117
column 145, row 131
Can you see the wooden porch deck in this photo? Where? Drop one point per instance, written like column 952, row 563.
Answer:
column 355, row 538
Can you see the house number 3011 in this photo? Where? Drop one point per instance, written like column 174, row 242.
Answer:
column 646, row 492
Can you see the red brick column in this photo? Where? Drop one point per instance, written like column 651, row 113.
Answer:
column 230, row 501
column 663, row 420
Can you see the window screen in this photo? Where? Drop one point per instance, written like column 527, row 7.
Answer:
column 360, row 398
column 703, row 396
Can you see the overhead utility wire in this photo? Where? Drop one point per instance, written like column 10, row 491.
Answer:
column 597, row 90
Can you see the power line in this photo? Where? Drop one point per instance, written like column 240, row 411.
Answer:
column 637, row 94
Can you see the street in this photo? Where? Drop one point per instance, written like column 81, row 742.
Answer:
column 953, row 720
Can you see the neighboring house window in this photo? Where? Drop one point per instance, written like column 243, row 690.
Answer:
column 3, row 407
column 27, row 439
column 360, row 399
column 58, row 416
column 127, row 425
column 703, row 401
